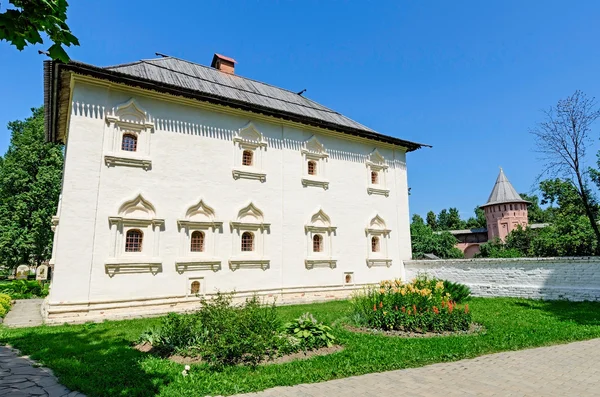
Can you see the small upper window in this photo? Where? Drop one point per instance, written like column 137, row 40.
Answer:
column 195, row 287
column 375, row 244
column 247, row 157
column 317, row 243
column 247, row 241
column 197, row 242
column 133, row 240
column 129, row 143
column 374, row 178
column 312, row 167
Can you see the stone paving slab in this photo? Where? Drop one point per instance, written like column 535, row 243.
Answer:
column 25, row 313
column 21, row 377
column 562, row 370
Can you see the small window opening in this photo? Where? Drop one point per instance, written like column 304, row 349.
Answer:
column 374, row 178
column 247, row 242
column 312, row 167
column 348, row 278
column 247, row 157
column 129, row 143
column 133, row 240
column 195, row 287
column 197, row 242
column 317, row 243
column 375, row 244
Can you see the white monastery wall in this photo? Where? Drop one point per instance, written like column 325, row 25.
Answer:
column 574, row 279
column 192, row 153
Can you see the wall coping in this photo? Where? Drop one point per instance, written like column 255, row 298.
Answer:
column 522, row 261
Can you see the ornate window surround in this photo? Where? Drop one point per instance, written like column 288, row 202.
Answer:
column 377, row 228
column 320, row 223
column 128, row 119
column 137, row 213
column 313, row 150
column 376, row 163
column 249, row 138
column 249, row 219
column 198, row 217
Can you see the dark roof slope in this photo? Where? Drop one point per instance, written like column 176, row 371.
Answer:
column 180, row 77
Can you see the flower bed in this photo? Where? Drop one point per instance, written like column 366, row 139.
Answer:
column 5, row 304
column 420, row 306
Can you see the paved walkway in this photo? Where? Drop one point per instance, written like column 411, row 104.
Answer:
column 562, row 370
column 25, row 313
column 19, row 377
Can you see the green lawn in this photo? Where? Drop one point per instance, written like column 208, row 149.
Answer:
column 97, row 359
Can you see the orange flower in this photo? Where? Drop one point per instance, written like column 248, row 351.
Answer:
column 466, row 308
column 415, row 309
column 435, row 310
column 450, row 307
column 443, row 304
column 403, row 309
column 374, row 307
column 380, row 304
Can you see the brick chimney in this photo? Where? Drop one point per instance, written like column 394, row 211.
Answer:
column 223, row 63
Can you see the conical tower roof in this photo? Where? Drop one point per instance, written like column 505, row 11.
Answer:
column 503, row 192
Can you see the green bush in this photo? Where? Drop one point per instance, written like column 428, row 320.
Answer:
column 458, row 292
column 24, row 289
column 309, row 333
column 421, row 306
column 5, row 304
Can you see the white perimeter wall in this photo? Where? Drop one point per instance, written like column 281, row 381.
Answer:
column 192, row 158
column 538, row 278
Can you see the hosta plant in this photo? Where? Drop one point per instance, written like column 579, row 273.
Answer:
column 310, row 333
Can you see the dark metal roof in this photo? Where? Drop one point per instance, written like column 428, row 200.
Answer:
column 503, row 192
column 180, row 77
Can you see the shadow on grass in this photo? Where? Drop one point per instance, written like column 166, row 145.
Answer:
column 92, row 361
column 582, row 313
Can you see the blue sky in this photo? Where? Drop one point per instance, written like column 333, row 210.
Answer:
column 469, row 77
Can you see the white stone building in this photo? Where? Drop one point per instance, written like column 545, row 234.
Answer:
column 181, row 180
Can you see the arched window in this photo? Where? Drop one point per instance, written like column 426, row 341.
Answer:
column 312, row 167
column 133, row 240
column 129, row 143
column 317, row 243
column 374, row 178
column 247, row 157
column 348, row 278
column 247, row 241
column 375, row 244
column 511, row 207
column 197, row 242
column 195, row 287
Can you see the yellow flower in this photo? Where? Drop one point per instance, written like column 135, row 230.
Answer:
column 439, row 285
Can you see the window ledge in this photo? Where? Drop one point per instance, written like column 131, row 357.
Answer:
column 197, row 263
column 112, row 160
column 320, row 262
column 240, row 263
column 379, row 262
column 306, row 181
column 132, row 265
column 250, row 173
column 374, row 190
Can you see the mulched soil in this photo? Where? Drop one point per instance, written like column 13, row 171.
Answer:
column 473, row 329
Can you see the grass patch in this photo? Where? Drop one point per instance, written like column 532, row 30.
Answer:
column 98, row 359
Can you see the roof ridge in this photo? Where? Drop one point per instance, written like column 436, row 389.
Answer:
column 123, row 64
column 243, row 77
column 322, row 109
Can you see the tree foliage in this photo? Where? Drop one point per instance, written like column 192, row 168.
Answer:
column 22, row 25
column 30, row 179
column 427, row 241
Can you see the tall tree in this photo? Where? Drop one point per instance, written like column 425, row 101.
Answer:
column 22, row 25
column 478, row 221
column 426, row 241
column 30, row 179
column 563, row 138
column 432, row 220
column 535, row 213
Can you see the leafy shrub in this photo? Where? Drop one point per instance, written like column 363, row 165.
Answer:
column 458, row 292
column 421, row 306
column 5, row 304
column 309, row 333
column 222, row 333
column 24, row 289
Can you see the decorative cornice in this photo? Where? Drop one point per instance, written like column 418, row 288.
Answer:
column 246, row 174
column 383, row 192
column 315, row 182
column 131, row 265
column 372, row 262
column 112, row 160
column 320, row 229
column 135, row 221
column 250, row 226
column 192, row 264
column 376, row 232
column 324, row 262
column 54, row 221
column 235, row 264
column 200, row 224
